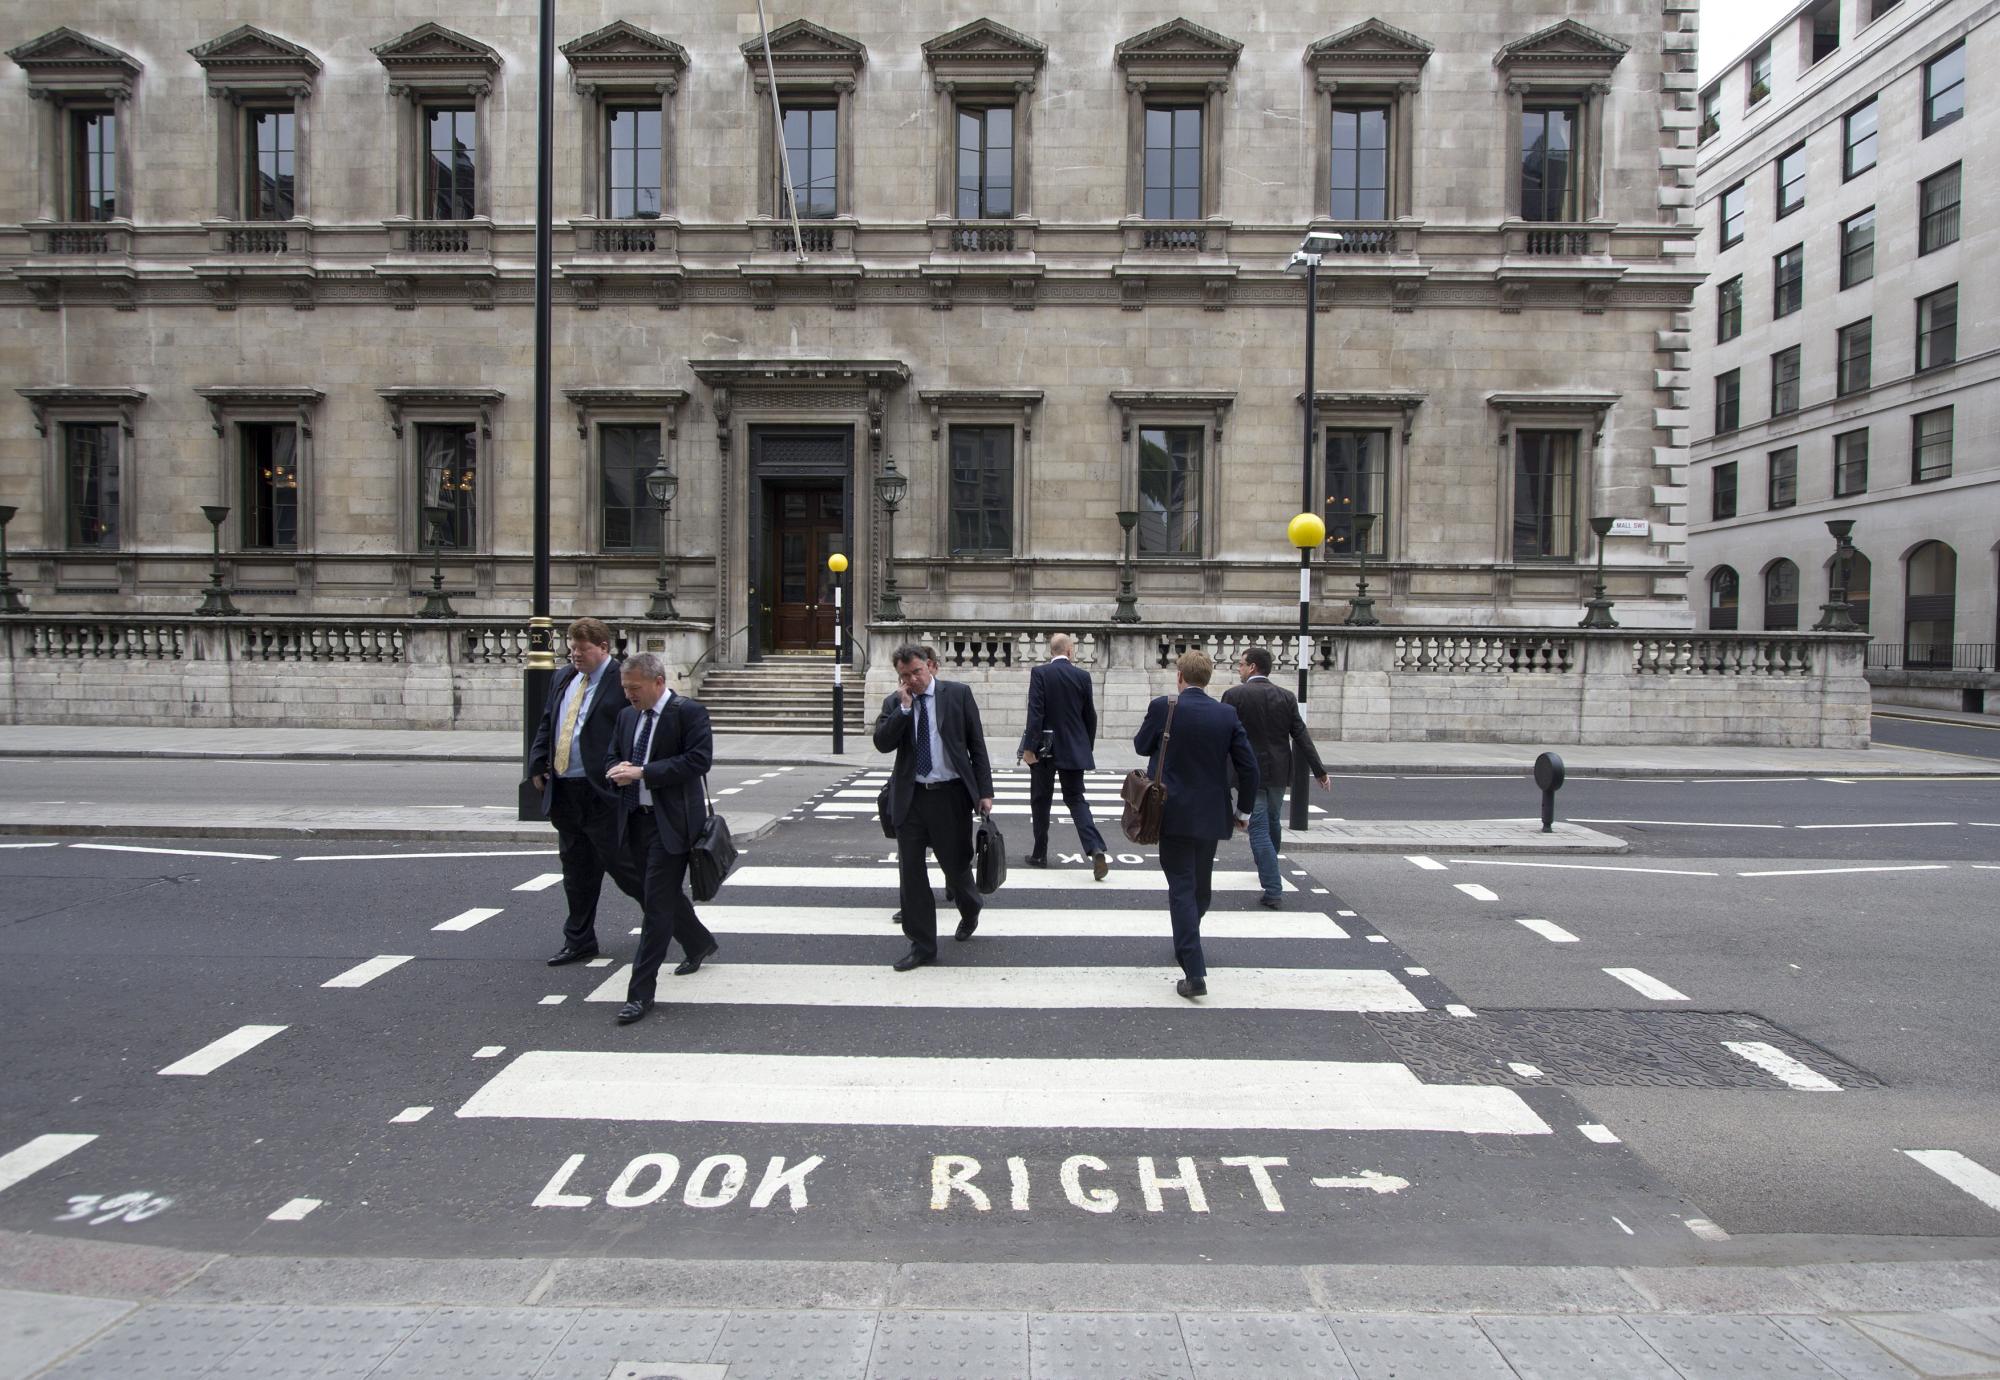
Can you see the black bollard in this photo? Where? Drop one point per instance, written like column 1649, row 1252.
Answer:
column 1549, row 776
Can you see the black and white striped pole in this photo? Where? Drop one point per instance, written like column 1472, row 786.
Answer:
column 837, row 564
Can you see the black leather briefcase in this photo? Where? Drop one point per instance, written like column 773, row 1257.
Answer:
column 989, row 852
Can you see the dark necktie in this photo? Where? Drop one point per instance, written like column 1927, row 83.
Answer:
column 645, row 741
column 923, row 737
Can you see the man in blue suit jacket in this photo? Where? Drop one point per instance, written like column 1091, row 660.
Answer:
column 1062, row 726
column 1195, row 757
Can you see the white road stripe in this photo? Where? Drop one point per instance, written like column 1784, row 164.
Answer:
column 1781, row 1066
column 1476, row 891
column 541, row 883
column 1830, row 871
column 957, row 987
column 552, row 1001
column 211, row 1057
column 30, row 845
column 489, row 1051
column 1706, row 1229
column 1458, row 1009
column 1548, row 930
column 1002, row 806
column 410, row 1114
column 1427, row 864
column 1645, row 985
column 1601, row 1134
column 1962, row 1172
column 174, row 852
column 1021, row 879
column 1028, row 923
column 465, row 920
column 1587, row 867
column 361, row 974
column 294, row 1211
column 400, row 857
column 1218, row 1094
column 37, row 1155
column 1527, row 1070
column 1901, row 824
column 1675, row 823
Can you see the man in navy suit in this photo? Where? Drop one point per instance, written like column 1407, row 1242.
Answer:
column 1198, row 741
column 566, row 764
column 1062, row 718
column 659, row 762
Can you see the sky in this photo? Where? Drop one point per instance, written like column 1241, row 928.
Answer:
column 1730, row 26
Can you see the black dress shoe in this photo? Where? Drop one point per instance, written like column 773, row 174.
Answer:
column 897, row 918
column 1036, row 860
column 912, row 959
column 1100, row 867
column 1191, row 987
column 572, row 954
column 634, row 1010
column 966, row 925
column 1270, row 902
column 692, row 963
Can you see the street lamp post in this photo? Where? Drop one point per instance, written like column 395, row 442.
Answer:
column 1305, row 531
column 215, row 600
column 1128, row 600
column 837, row 565
column 437, row 604
column 890, row 488
column 1837, row 614
column 10, row 596
column 538, row 667
column 1307, row 256
column 661, row 484
column 1599, row 615
column 1361, row 611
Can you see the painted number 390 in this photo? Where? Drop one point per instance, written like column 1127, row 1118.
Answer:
column 125, row 1207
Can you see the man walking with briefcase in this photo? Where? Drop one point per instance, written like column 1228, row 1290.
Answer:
column 1062, row 726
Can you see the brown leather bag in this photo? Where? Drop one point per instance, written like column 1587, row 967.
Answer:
column 1145, row 796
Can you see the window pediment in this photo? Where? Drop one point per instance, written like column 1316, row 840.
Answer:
column 227, row 400
column 596, row 403
column 402, row 402
column 432, row 57
column 622, row 52
column 1178, row 52
column 69, row 399
column 1370, row 51
column 64, row 63
column 1212, row 404
column 249, row 59
column 804, row 51
column 985, row 52
column 1566, row 49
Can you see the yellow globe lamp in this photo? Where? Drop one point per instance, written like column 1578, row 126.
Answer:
column 837, row 563
column 1306, row 531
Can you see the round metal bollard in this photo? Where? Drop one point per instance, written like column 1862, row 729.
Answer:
column 1549, row 776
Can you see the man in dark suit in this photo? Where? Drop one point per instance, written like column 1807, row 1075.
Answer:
column 1062, row 726
column 941, row 773
column 1198, row 741
column 566, row 764
column 659, row 761
column 1271, row 717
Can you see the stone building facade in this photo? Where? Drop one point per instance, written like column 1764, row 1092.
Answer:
column 1849, row 343
column 1040, row 277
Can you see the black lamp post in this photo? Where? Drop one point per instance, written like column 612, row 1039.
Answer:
column 662, row 484
column 215, row 600
column 10, row 597
column 1128, row 600
column 1599, row 606
column 1361, row 612
column 1836, row 614
column 437, row 604
column 890, row 488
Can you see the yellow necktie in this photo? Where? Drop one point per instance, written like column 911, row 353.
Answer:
column 568, row 735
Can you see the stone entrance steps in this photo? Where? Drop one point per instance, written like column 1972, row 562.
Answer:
column 781, row 694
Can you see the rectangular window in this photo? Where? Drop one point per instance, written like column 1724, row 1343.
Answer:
column 1788, row 277
column 1760, row 75
column 1855, row 355
column 982, row 490
column 1728, row 401
column 451, row 163
column 1937, row 328
column 1878, row 8
column 1357, row 481
column 1937, row 224
column 1825, row 35
column 1850, row 464
column 1173, row 162
column 270, row 484
column 1785, row 382
column 1930, row 446
column 1784, row 478
column 1858, row 139
column 1857, row 248
column 1722, row 498
column 986, row 162
column 94, row 160
column 1360, row 163
column 1544, row 494
column 1791, row 180
column 1170, row 491
column 448, row 479
column 625, row 456
column 812, row 144
column 271, row 147
column 1733, row 203
column 1548, row 148
column 1729, row 310
column 632, row 162
column 1711, row 112
column 1944, row 89
column 90, row 468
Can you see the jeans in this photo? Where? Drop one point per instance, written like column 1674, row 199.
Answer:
column 1189, row 865
column 1267, row 815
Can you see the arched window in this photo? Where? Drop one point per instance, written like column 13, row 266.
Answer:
column 1781, row 596
column 1930, row 598
column 1722, row 585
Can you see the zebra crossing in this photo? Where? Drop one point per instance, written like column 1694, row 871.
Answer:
column 1010, row 797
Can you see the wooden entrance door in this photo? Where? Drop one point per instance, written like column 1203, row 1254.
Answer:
column 807, row 526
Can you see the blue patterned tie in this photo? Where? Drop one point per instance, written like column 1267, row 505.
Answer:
column 923, row 737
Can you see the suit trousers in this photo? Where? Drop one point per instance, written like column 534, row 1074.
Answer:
column 1041, row 795
column 669, row 913
column 587, row 828
column 1190, row 867
column 939, row 821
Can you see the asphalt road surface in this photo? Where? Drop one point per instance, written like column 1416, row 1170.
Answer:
column 327, row 1049
column 1891, row 729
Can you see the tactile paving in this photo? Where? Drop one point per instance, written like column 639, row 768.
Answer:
column 1095, row 1346
column 1263, row 1346
column 1837, row 1345
column 323, row 1344
column 478, row 1344
column 1729, row 1348
column 784, row 1345
column 1397, row 1348
column 170, row 1342
column 602, row 1337
column 1574, row 1348
column 950, row 1346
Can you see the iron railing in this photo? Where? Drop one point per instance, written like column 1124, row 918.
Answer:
column 1931, row 656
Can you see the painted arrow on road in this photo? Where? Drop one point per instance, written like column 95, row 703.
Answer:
column 1367, row 1179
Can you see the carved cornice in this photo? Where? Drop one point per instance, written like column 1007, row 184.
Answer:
column 248, row 59
column 1371, row 53
column 403, row 401
column 1564, row 48
column 803, row 51
column 432, row 57
column 984, row 52
column 595, row 402
column 624, row 54
column 792, row 382
column 228, row 398
column 66, row 65
column 1515, row 407
column 1213, row 402
column 1340, row 401
column 60, row 399
column 940, row 401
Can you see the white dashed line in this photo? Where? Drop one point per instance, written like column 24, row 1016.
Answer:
column 489, row 1051
column 1343, row 912
column 37, row 1155
column 465, row 920
column 30, row 845
column 1476, row 891
column 361, row 974
column 598, row 963
column 211, row 1057
column 174, row 852
column 1378, row 939
column 1676, row 823
column 541, row 883
column 1527, row 1070
column 1706, row 1229
column 401, row 857
column 1587, row 867
column 738, row 790
column 1548, row 930
column 1901, row 824
column 296, row 1210
column 1460, row 1011
column 1781, row 1066
column 1591, row 1130
column 409, row 1114
column 1962, row 1172
column 1830, row 871
column 1418, row 972
column 552, row 1001
column 1427, row 864
column 1646, row 986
